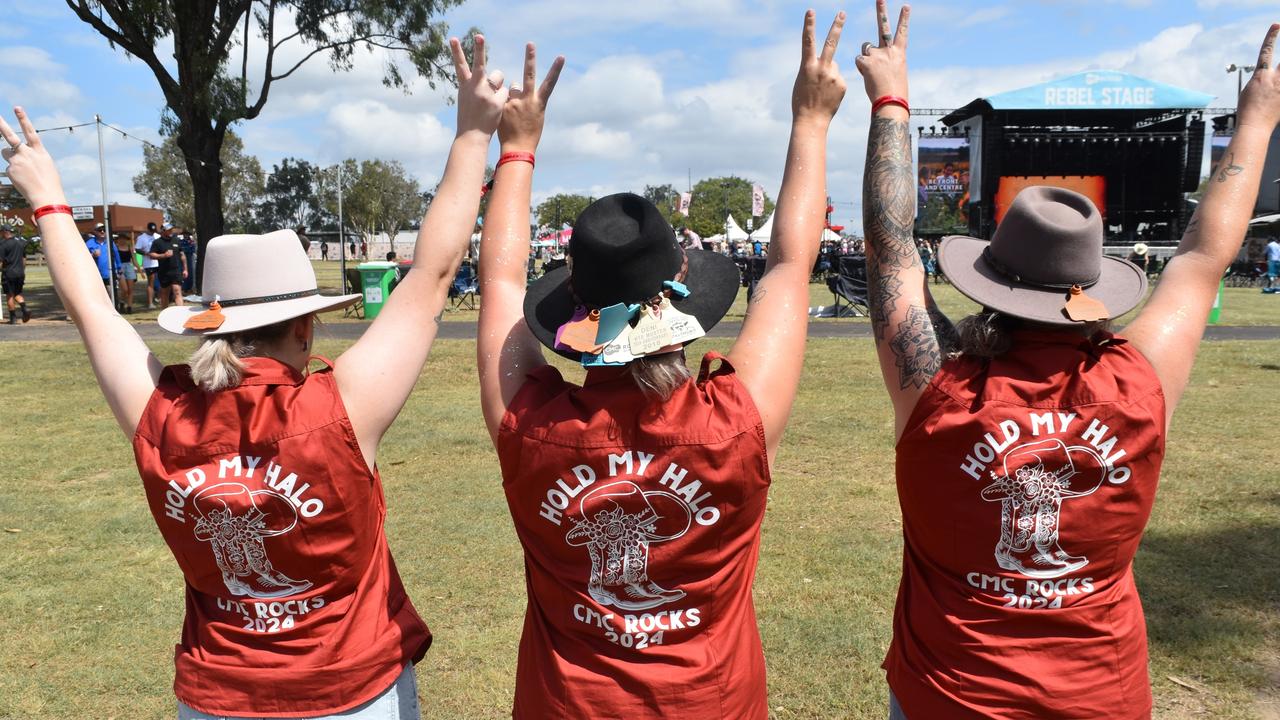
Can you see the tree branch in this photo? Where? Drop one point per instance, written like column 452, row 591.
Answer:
column 133, row 45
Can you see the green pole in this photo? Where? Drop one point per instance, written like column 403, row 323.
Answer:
column 1216, row 312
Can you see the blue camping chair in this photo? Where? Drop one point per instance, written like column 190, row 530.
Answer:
column 464, row 288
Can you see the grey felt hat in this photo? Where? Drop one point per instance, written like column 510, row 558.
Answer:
column 1049, row 240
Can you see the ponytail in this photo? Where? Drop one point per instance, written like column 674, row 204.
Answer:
column 215, row 365
column 660, row 375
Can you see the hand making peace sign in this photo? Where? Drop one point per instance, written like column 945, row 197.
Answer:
column 30, row 167
column 819, row 85
column 884, row 67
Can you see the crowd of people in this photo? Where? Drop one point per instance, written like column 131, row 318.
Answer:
column 1029, row 438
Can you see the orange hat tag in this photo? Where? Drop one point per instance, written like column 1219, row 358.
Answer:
column 210, row 319
column 581, row 334
column 1082, row 308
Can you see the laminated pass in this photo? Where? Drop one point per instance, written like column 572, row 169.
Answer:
column 650, row 333
column 684, row 327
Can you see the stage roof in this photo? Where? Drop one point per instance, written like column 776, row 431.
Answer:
column 1109, row 90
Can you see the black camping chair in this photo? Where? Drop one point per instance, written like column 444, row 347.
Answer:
column 753, row 270
column 354, row 285
column 849, row 283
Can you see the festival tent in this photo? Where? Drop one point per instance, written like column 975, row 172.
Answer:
column 830, row 236
column 736, row 233
column 763, row 232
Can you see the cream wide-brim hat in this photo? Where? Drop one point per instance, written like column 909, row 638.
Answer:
column 258, row 280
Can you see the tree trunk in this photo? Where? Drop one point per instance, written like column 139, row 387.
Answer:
column 201, row 145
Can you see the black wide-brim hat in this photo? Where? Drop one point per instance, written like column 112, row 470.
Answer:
column 1050, row 239
column 622, row 251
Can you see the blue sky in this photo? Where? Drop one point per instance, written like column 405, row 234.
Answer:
column 652, row 90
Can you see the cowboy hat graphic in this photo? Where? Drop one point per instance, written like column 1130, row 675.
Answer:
column 1037, row 478
column 619, row 522
column 234, row 521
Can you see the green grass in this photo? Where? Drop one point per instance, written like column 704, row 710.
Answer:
column 92, row 600
column 1241, row 306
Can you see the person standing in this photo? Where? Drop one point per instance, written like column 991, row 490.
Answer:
column 261, row 475
column 126, row 273
column 1140, row 256
column 324, row 250
column 1029, row 438
column 171, row 269
column 150, row 266
column 640, row 558
column 100, row 250
column 1273, row 261
column 187, row 246
column 13, row 273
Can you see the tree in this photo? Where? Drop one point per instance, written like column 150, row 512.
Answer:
column 289, row 196
column 557, row 210
column 714, row 198
column 666, row 198
column 166, row 184
column 212, row 89
column 377, row 196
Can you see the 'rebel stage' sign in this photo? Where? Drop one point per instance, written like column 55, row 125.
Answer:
column 1099, row 90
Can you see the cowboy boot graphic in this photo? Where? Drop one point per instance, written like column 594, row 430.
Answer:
column 234, row 523
column 1037, row 478
column 619, row 524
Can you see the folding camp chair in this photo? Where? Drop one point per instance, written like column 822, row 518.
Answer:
column 849, row 283
column 464, row 288
column 354, row 285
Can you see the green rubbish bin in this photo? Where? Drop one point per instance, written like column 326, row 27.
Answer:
column 376, row 278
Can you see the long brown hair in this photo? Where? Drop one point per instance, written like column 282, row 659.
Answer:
column 989, row 334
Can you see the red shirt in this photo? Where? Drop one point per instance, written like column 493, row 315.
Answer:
column 640, row 522
column 1025, row 484
column 294, row 605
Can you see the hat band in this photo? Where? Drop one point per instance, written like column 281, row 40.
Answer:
column 1004, row 270
column 263, row 298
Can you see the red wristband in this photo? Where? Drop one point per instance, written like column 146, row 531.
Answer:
column 49, row 210
column 514, row 157
column 890, row 100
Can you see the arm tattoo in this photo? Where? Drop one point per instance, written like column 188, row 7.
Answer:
column 888, row 214
column 916, row 348
column 1228, row 168
column 439, row 316
column 948, row 338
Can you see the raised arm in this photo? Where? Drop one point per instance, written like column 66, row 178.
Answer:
column 126, row 370
column 376, row 375
column 506, row 350
column 1169, row 328
column 903, row 316
column 769, row 352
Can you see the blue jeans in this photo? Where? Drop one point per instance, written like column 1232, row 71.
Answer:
column 895, row 710
column 398, row 702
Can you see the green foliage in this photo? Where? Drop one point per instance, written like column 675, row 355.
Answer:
column 289, row 196
column 562, row 208
column 714, row 198
column 165, row 183
column 666, row 198
column 377, row 196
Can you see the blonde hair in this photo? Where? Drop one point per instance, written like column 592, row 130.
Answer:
column 660, row 375
column 215, row 365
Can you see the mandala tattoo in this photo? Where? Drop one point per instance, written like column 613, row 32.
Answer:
column 915, row 346
column 888, row 216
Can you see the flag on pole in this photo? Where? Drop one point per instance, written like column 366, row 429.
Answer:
column 757, row 200
column 686, row 199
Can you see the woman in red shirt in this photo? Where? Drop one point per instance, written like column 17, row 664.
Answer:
column 1030, row 439
column 638, row 496
column 262, row 477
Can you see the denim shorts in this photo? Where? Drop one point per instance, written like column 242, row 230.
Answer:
column 398, row 702
column 129, row 272
column 895, row 710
